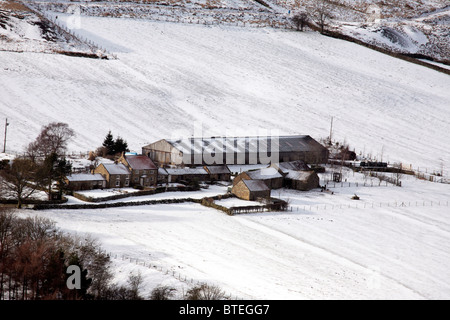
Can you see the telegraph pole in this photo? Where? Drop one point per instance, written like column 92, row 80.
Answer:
column 6, row 131
column 331, row 129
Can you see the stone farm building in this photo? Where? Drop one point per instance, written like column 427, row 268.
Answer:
column 85, row 181
column 144, row 173
column 117, row 175
column 270, row 176
column 251, row 190
column 236, row 150
column 297, row 175
column 187, row 175
column 218, row 173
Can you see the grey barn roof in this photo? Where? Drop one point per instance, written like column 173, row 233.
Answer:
column 264, row 174
column 297, row 165
column 116, row 168
column 255, row 185
column 223, row 169
column 298, row 143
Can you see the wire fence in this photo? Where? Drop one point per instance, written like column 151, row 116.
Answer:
column 167, row 271
column 94, row 47
column 364, row 205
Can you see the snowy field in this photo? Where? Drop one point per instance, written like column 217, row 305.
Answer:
column 394, row 243
column 171, row 77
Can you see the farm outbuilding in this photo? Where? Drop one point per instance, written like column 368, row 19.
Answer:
column 236, row 150
column 187, row 174
column 218, row 173
column 251, row 190
column 302, row 180
column 285, row 167
column 85, row 181
column 270, row 176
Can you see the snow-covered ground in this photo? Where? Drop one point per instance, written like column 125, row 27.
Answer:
column 212, row 191
column 328, row 247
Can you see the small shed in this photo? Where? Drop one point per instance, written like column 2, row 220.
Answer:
column 251, row 190
column 85, row 181
column 302, row 180
column 218, row 173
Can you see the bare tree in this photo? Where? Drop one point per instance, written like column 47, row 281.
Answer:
column 321, row 13
column 52, row 139
column 16, row 179
column 300, row 20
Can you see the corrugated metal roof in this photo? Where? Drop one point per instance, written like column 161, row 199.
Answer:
column 140, row 162
column 77, row 177
column 116, row 168
column 264, row 174
column 255, row 185
column 298, row 143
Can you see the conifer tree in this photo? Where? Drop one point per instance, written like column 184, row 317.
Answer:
column 109, row 143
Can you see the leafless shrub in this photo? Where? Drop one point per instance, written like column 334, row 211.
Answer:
column 205, row 292
column 162, row 293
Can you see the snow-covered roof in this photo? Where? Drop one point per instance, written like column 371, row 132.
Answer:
column 76, row 177
column 255, row 185
column 162, row 171
column 116, row 168
column 140, row 162
column 184, row 171
column 263, row 174
column 299, row 175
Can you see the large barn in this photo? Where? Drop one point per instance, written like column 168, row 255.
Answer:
column 236, row 150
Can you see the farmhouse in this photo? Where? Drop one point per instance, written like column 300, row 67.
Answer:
column 251, row 190
column 143, row 171
column 236, row 150
column 117, row 175
column 85, row 181
column 270, row 176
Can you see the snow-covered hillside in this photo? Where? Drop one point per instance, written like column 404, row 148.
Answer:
column 169, row 77
column 24, row 30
